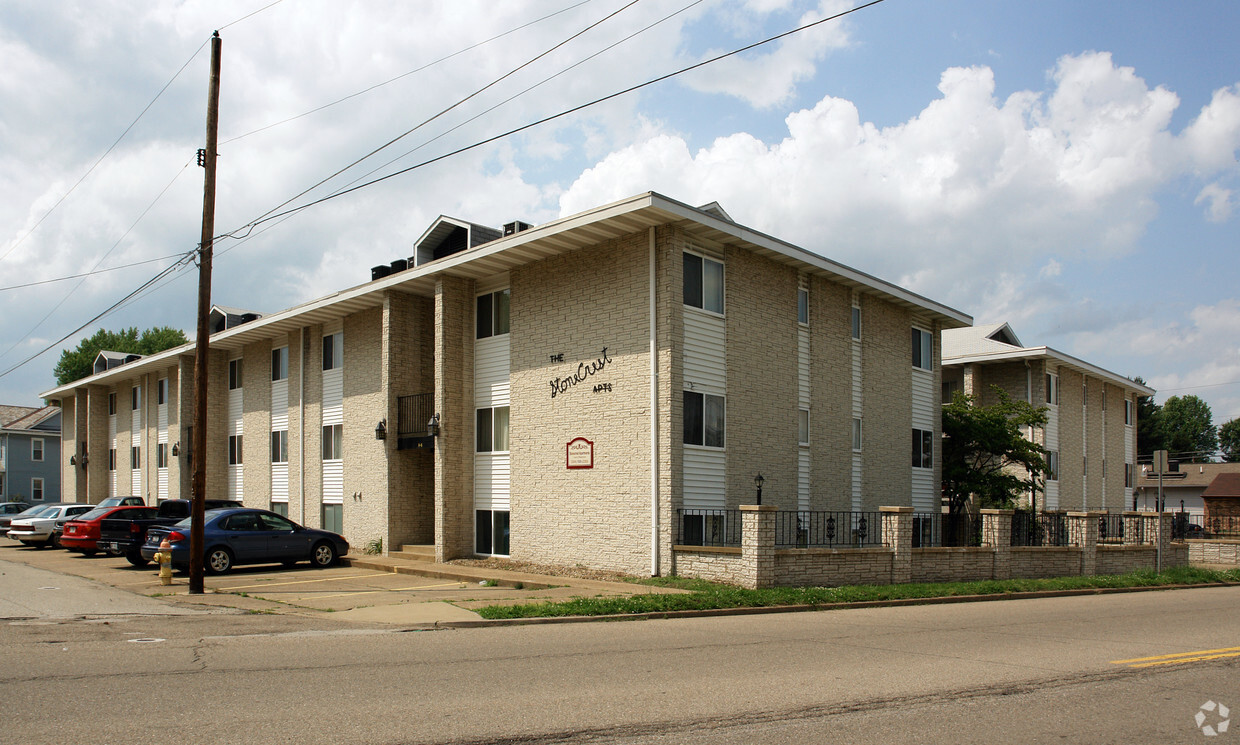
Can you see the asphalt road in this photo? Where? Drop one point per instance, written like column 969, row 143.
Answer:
column 1048, row 670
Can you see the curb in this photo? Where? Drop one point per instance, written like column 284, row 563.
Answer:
column 750, row 611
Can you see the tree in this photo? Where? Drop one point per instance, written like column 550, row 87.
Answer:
column 1229, row 440
column 1187, row 430
column 1149, row 417
column 78, row 363
column 985, row 453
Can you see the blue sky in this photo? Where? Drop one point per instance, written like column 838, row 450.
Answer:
column 1068, row 167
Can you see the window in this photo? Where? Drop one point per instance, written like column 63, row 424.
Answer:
column 161, row 391
column 923, row 448
column 1128, row 474
column 333, row 351
column 161, row 455
column 112, row 459
column 1128, row 412
column 803, row 306
column 36, row 449
column 135, row 457
column 333, row 442
column 492, row 318
column 856, row 434
column 279, row 446
column 491, row 532
column 36, row 489
column 923, row 350
column 856, row 323
column 111, row 404
column 1052, row 465
column 704, row 530
column 704, row 419
column 1084, row 465
column 950, row 388
column 703, row 283
column 492, row 430
column 279, row 363
column 234, row 374
column 234, row 450
column 333, row 517
column 1052, row 389
column 803, row 426
column 280, row 508
column 135, row 397
column 1104, row 399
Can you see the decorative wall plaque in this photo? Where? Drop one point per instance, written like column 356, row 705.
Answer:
column 579, row 453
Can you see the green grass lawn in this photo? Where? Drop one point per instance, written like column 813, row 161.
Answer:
column 712, row 596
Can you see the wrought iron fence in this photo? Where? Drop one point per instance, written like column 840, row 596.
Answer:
column 1198, row 526
column 697, row 527
column 412, row 414
column 1039, row 529
column 807, row 529
column 1111, row 528
column 932, row 529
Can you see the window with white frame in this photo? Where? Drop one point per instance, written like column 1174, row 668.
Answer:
column 704, row 419
column 279, row 446
column 494, row 315
column 856, row 434
column 234, row 450
column 111, row 404
column 234, row 374
column 803, row 306
column 36, row 489
column 111, row 459
column 135, row 457
column 703, row 283
column 333, row 442
column 923, row 349
column 161, row 455
column 492, row 429
column 856, row 323
column 135, row 397
column 1128, row 412
column 161, row 391
column 923, row 448
column 803, row 426
column 1052, row 465
column 36, row 449
column 1129, row 468
column 333, row 351
column 279, row 363
column 1052, row 389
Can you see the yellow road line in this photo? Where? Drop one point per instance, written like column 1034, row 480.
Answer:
column 296, row 582
column 1189, row 659
column 1177, row 654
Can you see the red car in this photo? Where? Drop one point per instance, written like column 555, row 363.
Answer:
column 82, row 532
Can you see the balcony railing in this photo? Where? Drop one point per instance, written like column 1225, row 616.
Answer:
column 412, row 415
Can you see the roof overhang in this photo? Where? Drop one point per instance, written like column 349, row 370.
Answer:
column 568, row 234
column 1025, row 354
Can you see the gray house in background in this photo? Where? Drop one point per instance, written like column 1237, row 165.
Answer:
column 29, row 454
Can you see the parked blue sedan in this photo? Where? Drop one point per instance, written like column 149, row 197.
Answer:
column 247, row 536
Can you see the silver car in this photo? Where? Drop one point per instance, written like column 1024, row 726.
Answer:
column 39, row 529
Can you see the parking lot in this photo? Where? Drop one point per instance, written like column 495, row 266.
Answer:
column 368, row 590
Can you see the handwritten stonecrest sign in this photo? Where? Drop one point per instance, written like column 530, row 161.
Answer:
column 584, row 371
column 579, row 453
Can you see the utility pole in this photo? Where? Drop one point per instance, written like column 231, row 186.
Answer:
column 199, row 449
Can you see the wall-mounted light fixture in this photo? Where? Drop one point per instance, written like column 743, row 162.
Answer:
column 381, row 430
column 758, row 481
column 432, row 427
column 176, row 449
column 73, row 460
column 84, row 460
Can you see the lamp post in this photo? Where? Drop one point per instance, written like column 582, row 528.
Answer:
column 757, row 481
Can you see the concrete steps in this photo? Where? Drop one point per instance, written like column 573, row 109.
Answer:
column 415, row 553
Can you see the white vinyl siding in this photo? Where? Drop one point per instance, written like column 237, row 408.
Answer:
column 1051, row 499
column 705, row 352
column 492, row 390
column 333, row 410
column 803, row 403
column 1130, row 455
column 705, row 483
column 925, row 417
column 135, row 440
column 856, row 397
column 112, row 443
column 161, row 437
column 279, row 422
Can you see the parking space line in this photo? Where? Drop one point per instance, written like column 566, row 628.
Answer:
column 393, row 589
column 300, row 582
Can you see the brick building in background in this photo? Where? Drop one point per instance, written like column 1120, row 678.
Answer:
column 556, row 394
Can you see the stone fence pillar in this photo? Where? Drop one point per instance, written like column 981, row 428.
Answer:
column 758, row 546
column 1133, row 535
column 997, row 534
column 1083, row 533
column 898, row 536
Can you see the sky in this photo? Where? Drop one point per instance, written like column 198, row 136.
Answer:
column 1068, row 166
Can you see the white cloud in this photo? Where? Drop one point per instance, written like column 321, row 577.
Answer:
column 1217, row 200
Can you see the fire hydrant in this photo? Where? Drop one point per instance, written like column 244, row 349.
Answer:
column 164, row 558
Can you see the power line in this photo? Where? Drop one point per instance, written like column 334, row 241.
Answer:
column 402, row 75
column 269, row 216
column 478, row 92
column 87, row 274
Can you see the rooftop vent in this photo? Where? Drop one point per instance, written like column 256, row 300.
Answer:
column 516, row 227
column 379, row 272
